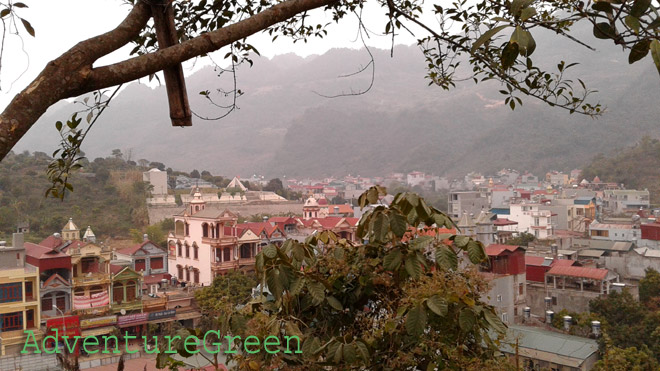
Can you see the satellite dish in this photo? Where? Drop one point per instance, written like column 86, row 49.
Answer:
column 123, row 312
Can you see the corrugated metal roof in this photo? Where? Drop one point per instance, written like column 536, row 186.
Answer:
column 495, row 249
column 546, row 341
column 580, row 272
column 602, row 244
column 591, row 253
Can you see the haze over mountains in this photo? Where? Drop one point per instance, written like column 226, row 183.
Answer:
column 402, row 124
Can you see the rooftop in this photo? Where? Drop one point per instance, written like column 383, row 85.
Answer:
column 550, row 342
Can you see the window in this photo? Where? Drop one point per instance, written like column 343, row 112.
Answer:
column 179, row 246
column 140, row 265
column 10, row 292
column 89, row 265
column 46, row 303
column 187, row 229
column 187, row 250
column 505, row 317
column 499, row 297
column 521, row 289
column 28, row 291
column 156, row 263
column 205, row 230
column 536, row 222
column 196, row 275
column 554, row 300
column 118, row 292
column 179, row 272
column 246, row 251
column 60, row 302
column 131, row 290
column 188, row 275
column 195, row 251
column 12, row 321
column 226, row 255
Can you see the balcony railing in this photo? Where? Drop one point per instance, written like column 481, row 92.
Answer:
column 91, row 279
column 91, row 311
column 131, row 305
column 217, row 266
column 224, row 240
column 153, row 303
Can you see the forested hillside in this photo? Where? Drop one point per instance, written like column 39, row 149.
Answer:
column 109, row 196
column 637, row 167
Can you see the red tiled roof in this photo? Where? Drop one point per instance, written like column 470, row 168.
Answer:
column 495, row 249
column 580, row 272
column 282, row 219
column 41, row 252
column 563, row 263
column 114, row 269
column 156, row 278
column 343, row 209
column 52, row 242
column 503, row 222
column 534, row 260
column 323, row 201
column 133, row 249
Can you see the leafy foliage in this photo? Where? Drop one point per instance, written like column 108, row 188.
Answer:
column 384, row 304
column 523, row 239
column 649, row 286
column 231, row 289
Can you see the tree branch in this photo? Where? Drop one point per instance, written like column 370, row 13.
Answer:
column 71, row 74
column 62, row 76
column 146, row 64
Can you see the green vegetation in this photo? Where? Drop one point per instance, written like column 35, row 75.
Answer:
column 636, row 167
column 382, row 305
column 231, row 289
column 523, row 239
column 109, row 196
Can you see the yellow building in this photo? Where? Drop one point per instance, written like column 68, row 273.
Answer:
column 19, row 297
column 90, row 265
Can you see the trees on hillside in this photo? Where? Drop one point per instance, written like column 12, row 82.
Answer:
column 399, row 301
column 493, row 40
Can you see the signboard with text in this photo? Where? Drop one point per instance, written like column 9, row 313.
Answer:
column 98, row 322
column 132, row 319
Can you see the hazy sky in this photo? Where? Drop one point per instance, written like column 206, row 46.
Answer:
column 60, row 24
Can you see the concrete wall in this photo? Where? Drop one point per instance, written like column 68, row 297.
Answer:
column 31, row 362
column 157, row 214
column 571, row 300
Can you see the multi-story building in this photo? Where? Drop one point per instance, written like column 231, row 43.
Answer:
column 470, row 202
column 614, row 231
column 20, row 307
column 618, row 201
column 506, row 273
column 532, row 220
column 91, row 282
column 200, row 245
column 150, row 260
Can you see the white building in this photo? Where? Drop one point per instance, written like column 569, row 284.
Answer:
column 532, row 220
column 203, row 243
column 614, row 232
column 617, row 201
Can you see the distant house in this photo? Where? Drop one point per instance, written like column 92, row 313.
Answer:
column 539, row 349
column 620, row 200
column 149, row 259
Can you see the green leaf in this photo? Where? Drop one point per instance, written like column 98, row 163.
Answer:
column 461, row 241
column 639, row 51
column 338, row 353
column 603, row 30
column 398, row 224
column 438, row 305
column 639, row 7
column 310, row 346
column 363, row 350
column 28, row 27
column 486, row 36
column 527, row 13
column 467, row 319
column 334, row 303
column 509, row 54
column 392, row 261
column 413, row 267
column 476, row 252
column 518, row 5
column 421, row 242
column 292, row 329
column 446, row 258
column 297, row 285
column 633, row 23
column 602, row 6
column 270, row 251
column 494, row 321
column 416, row 321
column 58, row 125
column 350, row 354
column 525, row 41
column 380, row 228
column 317, row 291
column 655, row 53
